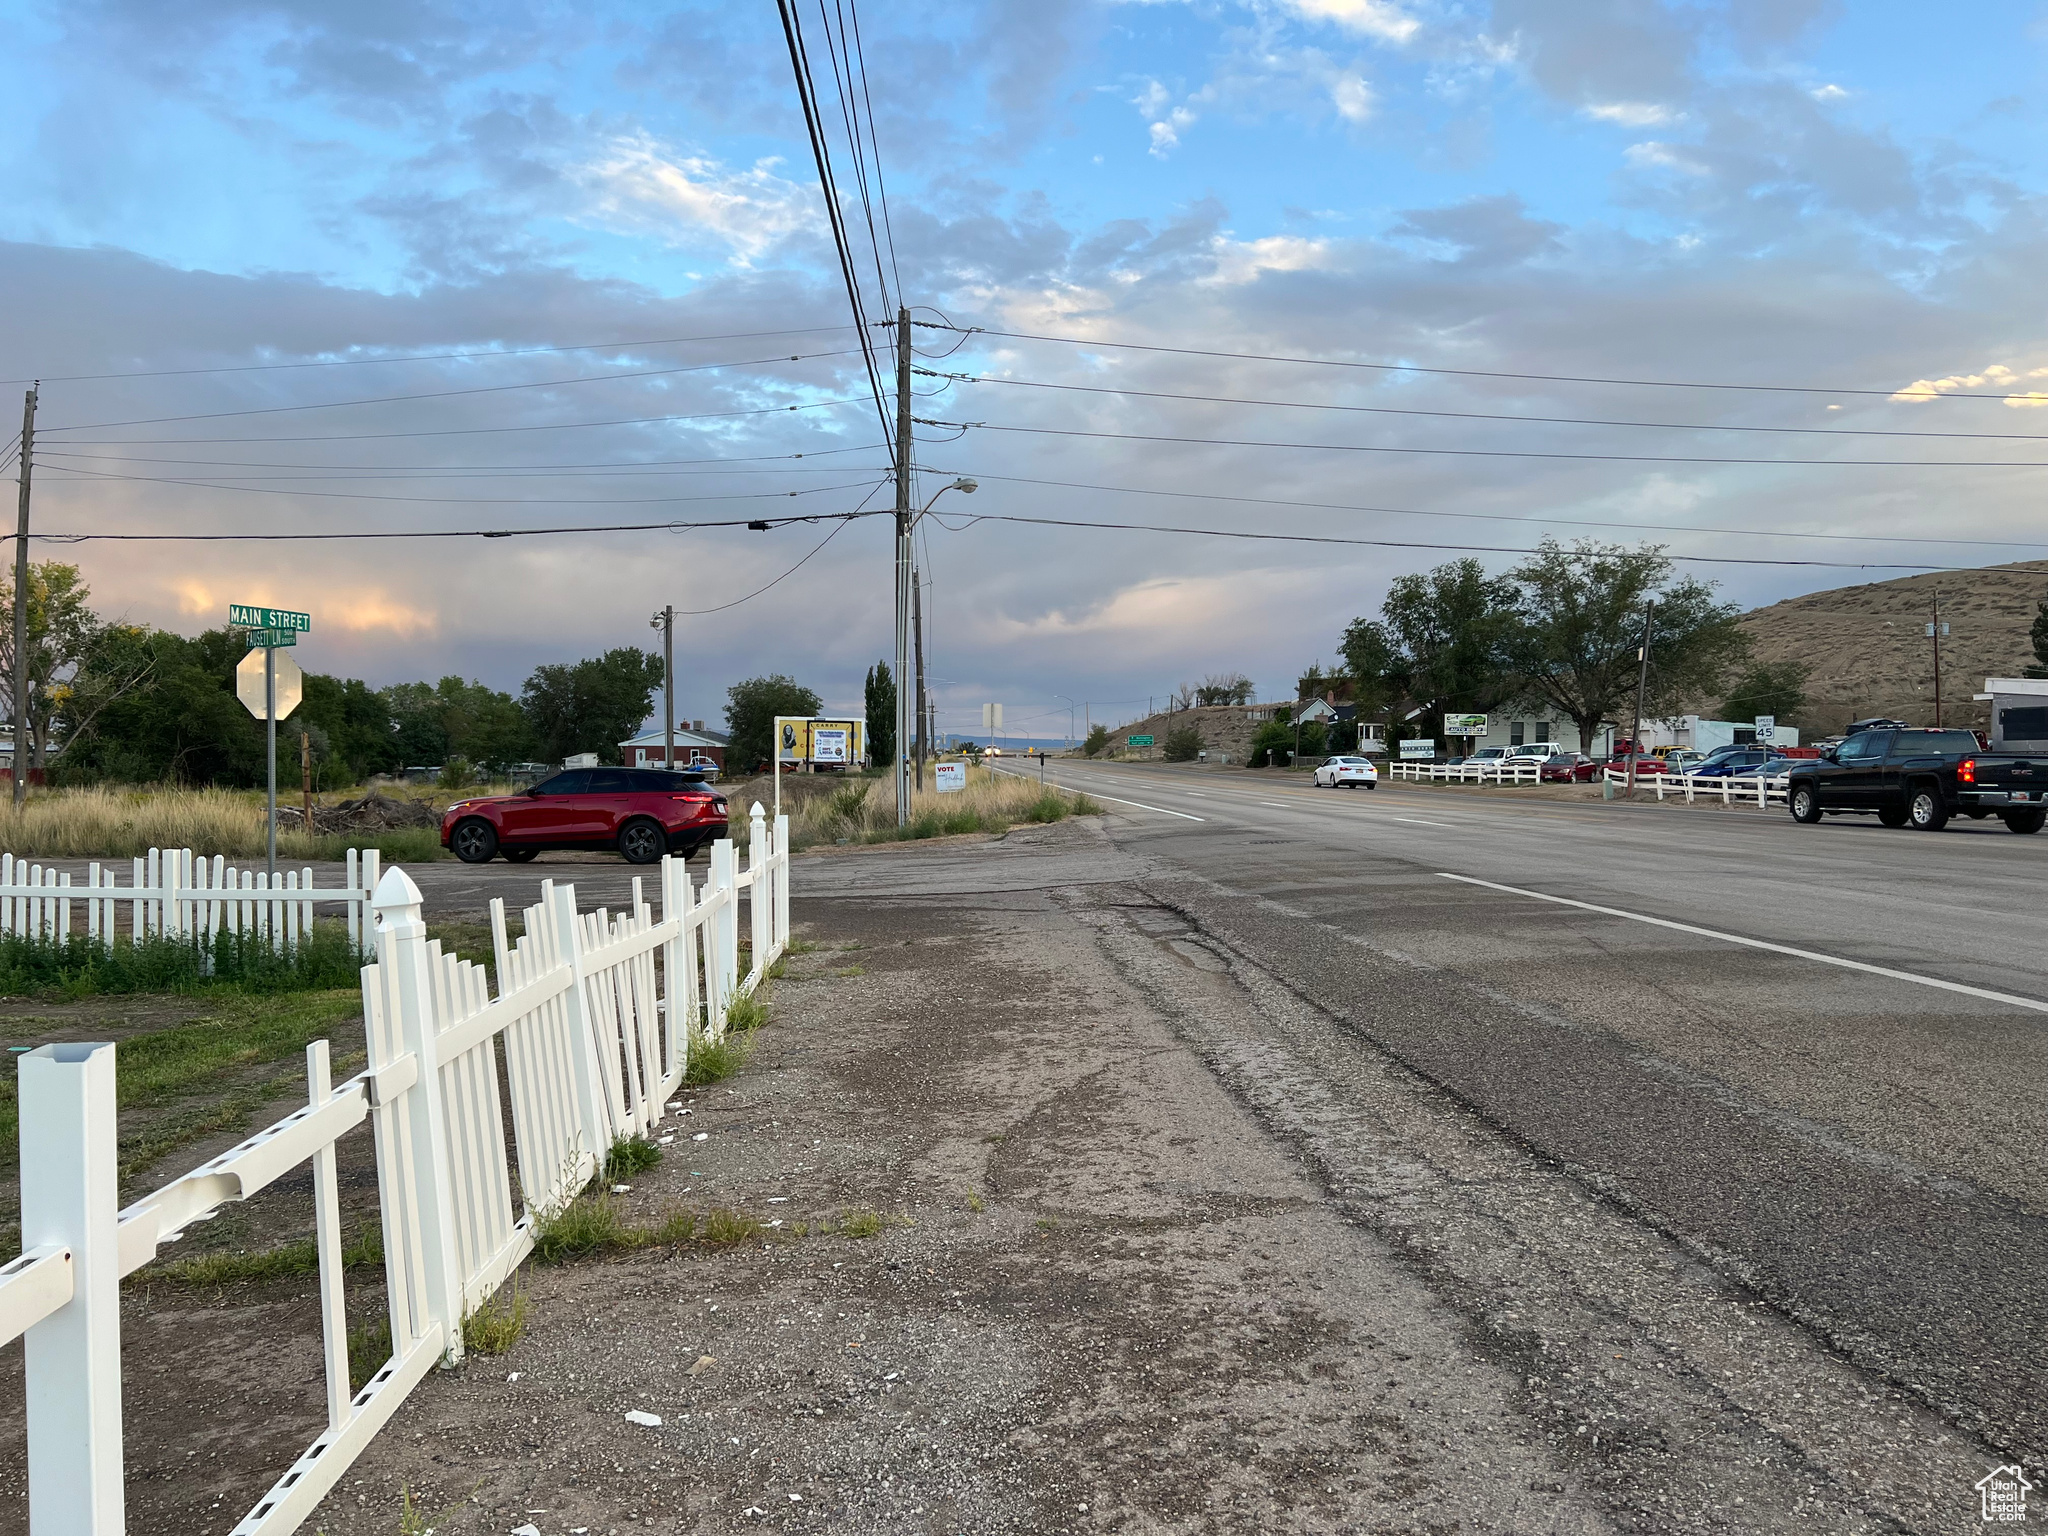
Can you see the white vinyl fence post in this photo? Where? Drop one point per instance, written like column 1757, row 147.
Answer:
column 760, row 889
column 583, row 1044
column 781, row 883
column 70, row 1197
column 402, row 951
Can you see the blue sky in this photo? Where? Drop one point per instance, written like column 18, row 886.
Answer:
column 1757, row 191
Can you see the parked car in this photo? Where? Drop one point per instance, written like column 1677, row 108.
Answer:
column 1568, row 768
column 1683, row 759
column 1919, row 778
column 643, row 813
column 1531, row 751
column 1645, row 766
column 1347, row 773
column 1491, row 756
column 1723, row 761
column 1773, row 767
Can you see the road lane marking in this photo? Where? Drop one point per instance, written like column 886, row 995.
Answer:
column 1162, row 810
column 1776, row 949
column 1416, row 821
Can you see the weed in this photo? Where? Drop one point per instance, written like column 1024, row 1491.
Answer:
column 494, row 1327
column 369, row 1346
column 798, row 947
column 851, row 970
column 105, row 823
column 778, row 970
column 577, row 1228
column 745, row 1012
column 1046, row 1223
column 728, row 1229
column 414, row 1521
column 861, row 1223
column 713, row 1061
column 630, row 1155
column 82, row 966
column 974, row 1202
column 296, row 1258
column 1048, row 807
column 676, row 1228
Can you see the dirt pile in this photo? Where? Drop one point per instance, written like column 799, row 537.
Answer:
column 372, row 813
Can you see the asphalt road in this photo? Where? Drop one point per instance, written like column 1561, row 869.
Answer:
column 1857, row 1145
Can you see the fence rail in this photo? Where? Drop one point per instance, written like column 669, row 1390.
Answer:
column 592, row 1023
column 172, row 893
column 1756, row 789
column 1466, row 773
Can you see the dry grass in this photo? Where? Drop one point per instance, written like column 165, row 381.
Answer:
column 104, row 823
column 863, row 810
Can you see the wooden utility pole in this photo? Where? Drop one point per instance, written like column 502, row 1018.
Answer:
column 903, row 452
column 20, row 681
column 923, row 702
column 1934, row 634
column 1635, row 752
column 668, row 686
column 306, row 781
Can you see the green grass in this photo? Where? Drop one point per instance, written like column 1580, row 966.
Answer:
column 713, row 1061
column 79, row 966
column 369, row 1346
column 295, row 1258
column 861, row 1223
column 494, row 1327
column 746, row 1013
column 728, row 1229
column 188, row 1059
column 596, row 1225
column 630, row 1155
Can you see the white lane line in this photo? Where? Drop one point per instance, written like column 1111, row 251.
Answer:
column 1416, row 821
column 1776, row 949
column 1162, row 810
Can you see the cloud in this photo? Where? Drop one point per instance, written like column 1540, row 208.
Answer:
column 1247, row 260
column 1630, row 114
column 1995, row 379
column 1352, row 97
column 1370, row 18
column 638, row 184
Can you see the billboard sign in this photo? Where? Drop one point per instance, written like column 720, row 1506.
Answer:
column 1418, row 748
column 800, row 739
column 1464, row 725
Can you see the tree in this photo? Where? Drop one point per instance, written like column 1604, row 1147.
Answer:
column 433, row 722
column 1439, row 644
column 76, row 665
column 1273, row 746
column 1574, row 647
column 1183, row 744
column 591, row 705
column 2039, row 635
column 354, row 734
column 1776, row 689
column 750, row 711
column 881, row 703
column 1315, row 682
column 1098, row 738
column 1223, row 688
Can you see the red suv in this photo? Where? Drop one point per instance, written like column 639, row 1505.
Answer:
column 642, row 812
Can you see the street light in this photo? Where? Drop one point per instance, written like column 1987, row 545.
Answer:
column 906, row 525
column 1070, row 719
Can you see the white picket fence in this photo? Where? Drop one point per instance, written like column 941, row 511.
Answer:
column 1754, row 790
column 174, row 894
column 1466, row 773
column 592, row 1023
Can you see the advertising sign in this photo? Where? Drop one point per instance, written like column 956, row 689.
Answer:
column 951, row 777
column 800, row 739
column 829, row 743
column 1464, row 725
column 1423, row 749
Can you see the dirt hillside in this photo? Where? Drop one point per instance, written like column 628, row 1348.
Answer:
column 1870, row 654
column 1226, row 729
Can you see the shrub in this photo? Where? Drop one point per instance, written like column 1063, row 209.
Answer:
column 1098, row 738
column 713, row 1061
column 1277, row 738
column 1183, row 744
column 630, row 1155
column 80, row 966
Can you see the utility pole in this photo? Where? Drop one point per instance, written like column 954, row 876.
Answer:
column 1934, row 634
column 903, row 449
column 917, row 636
column 1635, row 754
column 270, row 735
column 306, row 781
column 20, row 681
column 668, row 687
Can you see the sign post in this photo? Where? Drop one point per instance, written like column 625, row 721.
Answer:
column 272, row 691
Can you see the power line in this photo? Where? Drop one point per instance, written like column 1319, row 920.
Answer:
column 860, row 511
column 1484, row 549
column 881, row 186
column 358, row 534
column 1393, row 410
column 327, row 475
column 477, row 469
column 495, row 501
column 445, row 394
column 1498, row 453
column 429, row 357
column 1463, row 373
column 541, row 426
column 1491, row 517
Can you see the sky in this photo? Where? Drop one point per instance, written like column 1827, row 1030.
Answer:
column 243, row 238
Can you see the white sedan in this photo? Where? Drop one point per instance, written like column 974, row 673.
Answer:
column 1345, row 772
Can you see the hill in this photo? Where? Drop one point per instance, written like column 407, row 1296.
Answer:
column 1869, row 653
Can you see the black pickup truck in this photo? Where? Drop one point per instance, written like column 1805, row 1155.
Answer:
column 1920, row 778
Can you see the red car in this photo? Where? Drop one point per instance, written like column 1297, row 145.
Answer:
column 1645, row 766
column 1568, row 768
column 642, row 813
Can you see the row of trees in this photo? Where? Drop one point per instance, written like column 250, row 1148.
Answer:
column 125, row 703
column 1562, row 631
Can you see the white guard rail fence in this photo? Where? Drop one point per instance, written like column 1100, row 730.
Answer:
column 592, row 1025
column 1466, row 773
column 174, row 894
column 1754, row 790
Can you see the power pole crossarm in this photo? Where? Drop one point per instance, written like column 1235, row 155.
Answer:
column 20, row 682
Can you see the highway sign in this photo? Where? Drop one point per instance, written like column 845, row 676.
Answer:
column 1766, row 729
column 1464, row 725
column 291, row 683
column 992, row 719
column 246, row 616
column 1139, row 741
column 259, row 638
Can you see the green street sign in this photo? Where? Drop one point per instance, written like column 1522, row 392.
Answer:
column 1139, row 741
column 243, row 616
column 260, row 639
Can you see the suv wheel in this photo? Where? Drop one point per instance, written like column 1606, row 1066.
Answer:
column 1805, row 804
column 475, row 841
column 642, row 841
column 1892, row 815
column 1926, row 811
column 2025, row 821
